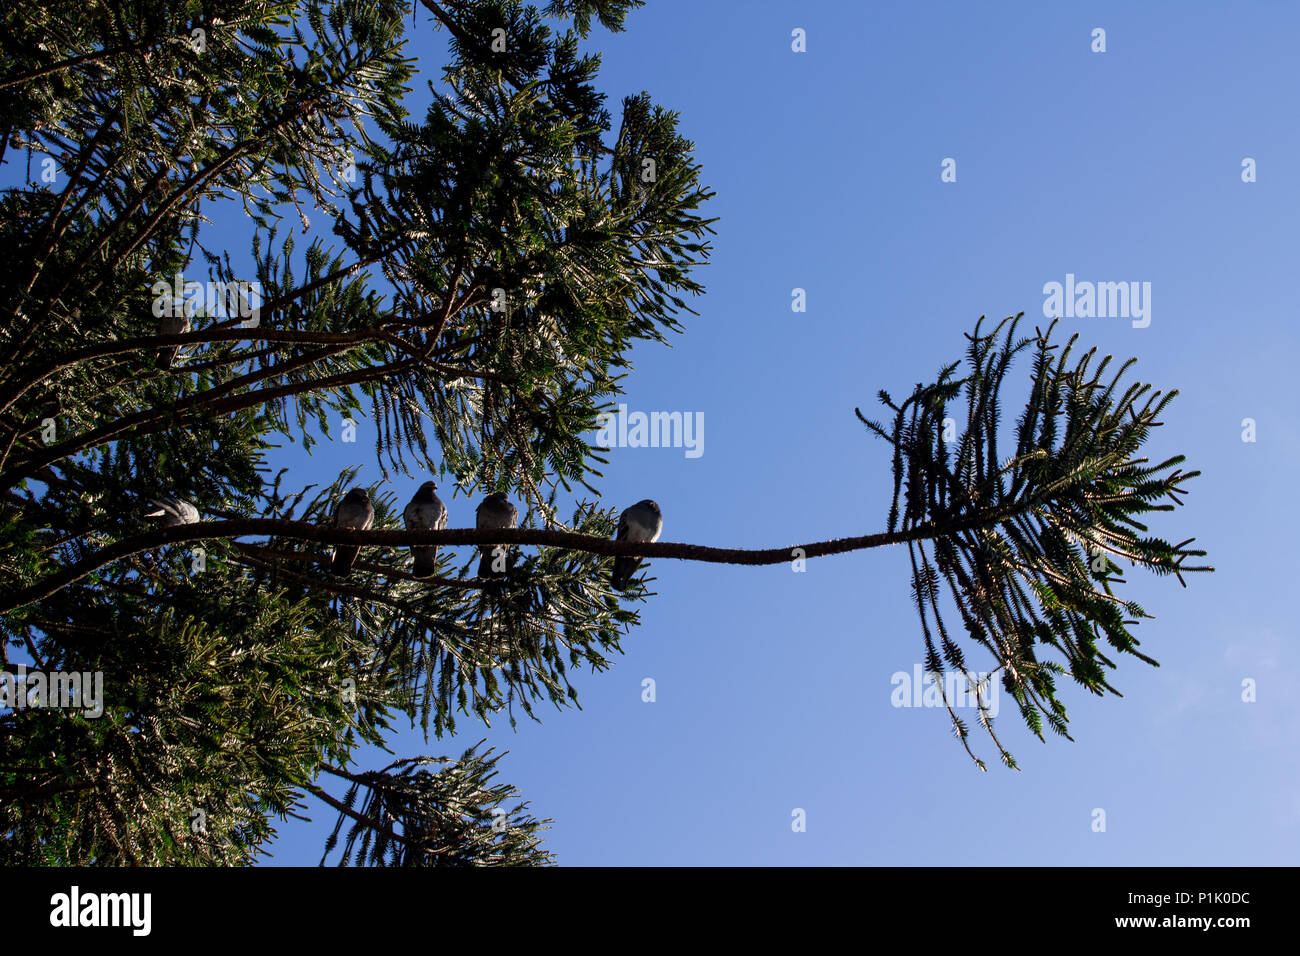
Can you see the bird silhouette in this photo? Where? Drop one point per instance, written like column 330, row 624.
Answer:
column 356, row 512
column 495, row 512
column 641, row 522
column 173, row 325
column 425, row 512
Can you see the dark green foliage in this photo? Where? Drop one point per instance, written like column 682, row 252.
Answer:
column 238, row 673
column 455, row 816
column 208, row 732
column 1027, row 546
column 480, row 281
column 508, row 206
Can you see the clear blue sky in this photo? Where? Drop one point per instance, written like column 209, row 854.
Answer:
column 773, row 687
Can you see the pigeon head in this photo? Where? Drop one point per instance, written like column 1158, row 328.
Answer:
column 357, row 497
column 498, row 499
column 652, row 505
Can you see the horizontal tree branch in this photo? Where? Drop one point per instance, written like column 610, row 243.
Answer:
column 327, row 534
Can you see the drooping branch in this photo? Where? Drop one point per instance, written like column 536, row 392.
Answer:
column 347, row 811
column 1044, row 575
column 450, row 815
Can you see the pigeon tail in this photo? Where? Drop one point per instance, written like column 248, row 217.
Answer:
column 489, row 558
column 624, row 568
column 426, row 561
column 345, row 555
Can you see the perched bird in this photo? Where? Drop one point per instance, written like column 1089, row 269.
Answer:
column 356, row 512
column 425, row 512
column 496, row 511
column 173, row 325
column 172, row 511
column 641, row 522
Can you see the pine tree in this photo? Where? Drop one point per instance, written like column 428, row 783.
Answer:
column 490, row 267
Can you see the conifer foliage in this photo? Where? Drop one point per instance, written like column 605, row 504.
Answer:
column 1028, row 547
column 480, row 275
column 469, row 283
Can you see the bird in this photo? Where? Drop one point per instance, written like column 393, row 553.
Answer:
column 172, row 511
column 425, row 512
column 357, row 513
column 173, row 325
column 496, row 511
column 641, row 522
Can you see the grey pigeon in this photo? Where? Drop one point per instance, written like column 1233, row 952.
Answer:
column 356, row 512
column 173, row 325
column 496, row 511
column 425, row 512
column 641, row 522
column 172, row 511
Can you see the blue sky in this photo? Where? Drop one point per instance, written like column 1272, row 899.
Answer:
column 774, row 687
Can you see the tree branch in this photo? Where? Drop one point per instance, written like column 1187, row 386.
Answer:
column 327, row 534
column 342, row 808
column 215, row 401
